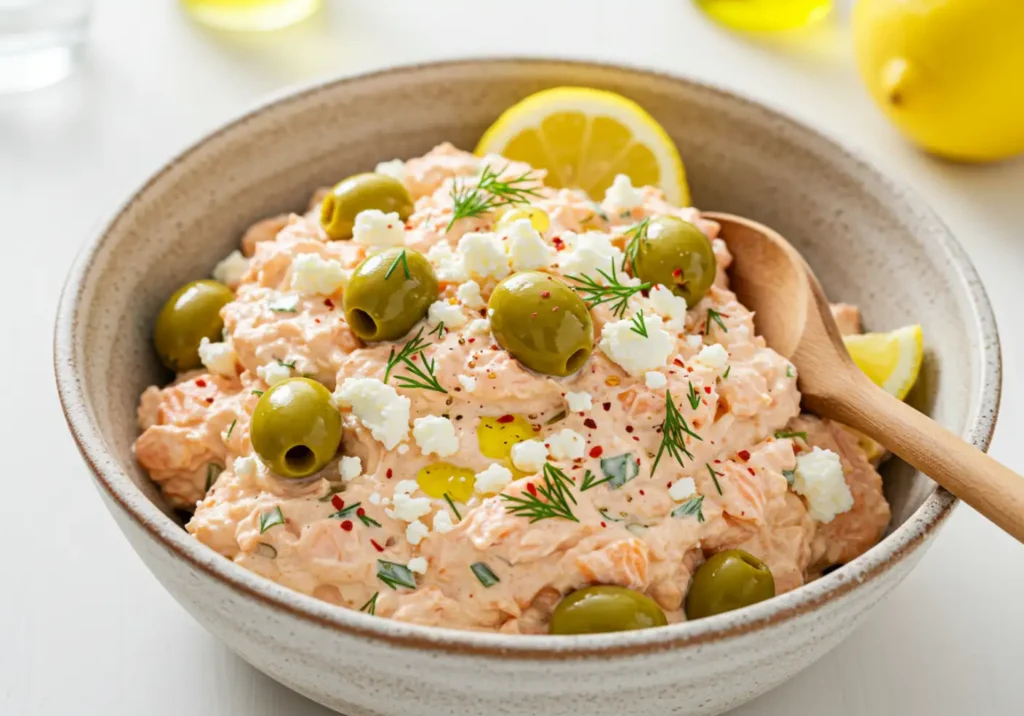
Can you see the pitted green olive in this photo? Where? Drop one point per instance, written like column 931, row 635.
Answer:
column 296, row 429
column 191, row 314
column 678, row 255
column 358, row 193
column 596, row 610
column 728, row 580
column 389, row 293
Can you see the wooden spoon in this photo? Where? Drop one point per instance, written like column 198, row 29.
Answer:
column 792, row 313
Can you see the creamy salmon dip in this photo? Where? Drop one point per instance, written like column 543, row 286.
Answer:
column 415, row 518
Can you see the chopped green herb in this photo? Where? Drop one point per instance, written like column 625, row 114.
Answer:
column 489, row 193
column 557, row 495
column 780, row 434
column 371, row 605
column 286, row 365
column 789, row 371
column 790, row 476
column 334, row 490
column 257, row 393
column 439, row 330
column 395, row 575
column 590, row 480
column 604, row 513
column 594, row 293
column 556, row 417
column 420, row 377
column 715, row 316
column 639, row 325
column 271, row 519
column 213, row 471
column 690, row 507
column 285, row 304
column 347, row 512
column 674, row 430
column 620, row 469
column 400, row 259
column 231, row 429
column 484, row 574
column 451, row 503
column 635, row 235
column 728, row 369
column 367, row 520
column 693, row 397
column 714, row 477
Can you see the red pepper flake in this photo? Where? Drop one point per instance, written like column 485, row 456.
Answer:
column 641, row 492
column 533, row 315
column 536, row 427
column 329, row 303
column 545, row 294
column 554, row 309
column 506, row 419
column 494, row 346
column 676, row 273
column 376, row 546
column 629, row 428
column 590, row 423
column 638, row 461
column 636, row 438
column 606, row 406
column 603, row 524
column 209, row 400
column 707, row 389
column 360, row 512
column 472, row 340
column 347, row 525
column 559, row 244
column 316, row 320
column 751, row 471
column 531, row 489
column 743, row 455
column 389, row 473
column 337, row 502
column 596, row 451
column 200, row 382
column 679, row 362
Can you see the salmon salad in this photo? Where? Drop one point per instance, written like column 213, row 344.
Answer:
column 452, row 395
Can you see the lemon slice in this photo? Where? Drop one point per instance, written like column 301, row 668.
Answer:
column 584, row 137
column 892, row 360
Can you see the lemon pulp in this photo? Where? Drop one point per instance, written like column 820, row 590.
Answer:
column 766, row 15
column 891, row 360
column 251, row 15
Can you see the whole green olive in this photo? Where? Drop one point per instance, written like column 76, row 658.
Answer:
column 295, row 427
column 358, row 193
column 191, row 314
column 389, row 293
column 678, row 255
column 728, row 580
column 596, row 610
column 542, row 322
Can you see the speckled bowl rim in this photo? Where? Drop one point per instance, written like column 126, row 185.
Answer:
column 899, row 545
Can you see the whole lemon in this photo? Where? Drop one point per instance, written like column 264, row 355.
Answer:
column 948, row 73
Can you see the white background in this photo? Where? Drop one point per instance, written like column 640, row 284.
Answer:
column 85, row 629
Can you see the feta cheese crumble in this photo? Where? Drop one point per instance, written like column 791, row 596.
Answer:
column 714, row 356
column 245, row 467
column 586, row 253
column 667, row 304
column 655, row 380
column 435, row 434
column 376, row 229
column 682, row 488
column 394, row 169
column 415, row 532
column 448, row 313
column 483, row 256
column 405, row 507
column 529, row 455
column 819, row 478
column 418, row 565
column 634, row 353
column 218, row 358
column 313, row 275
column 288, row 303
column 447, row 264
column 350, row 467
column 469, row 294
column 579, row 402
column 443, row 522
column 479, row 327
column 274, row 373
column 378, row 407
column 231, row 269
column 468, row 383
column 622, row 195
column 526, row 249
column 566, row 445
column 493, row 480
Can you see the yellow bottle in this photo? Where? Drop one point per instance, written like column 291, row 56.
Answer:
column 766, row 15
column 251, row 15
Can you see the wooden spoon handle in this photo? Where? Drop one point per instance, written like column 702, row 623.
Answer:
column 989, row 487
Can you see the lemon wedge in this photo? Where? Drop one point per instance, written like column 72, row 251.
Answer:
column 892, row 360
column 583, row 137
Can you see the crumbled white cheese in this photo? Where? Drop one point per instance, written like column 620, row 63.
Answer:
column 418, row 565
column 288, row 303
column 469, row 294
column 483, row 256
column 447, row 264
column 622, row 195
column 218, row 358
column 667, row 304
column 435, row 434
column 682, row 488
column 274, row 373
column 406, row 487
column 313, row 275
column 631, row 350
column 529, row 455
column 448, row 313
column 694, row 341
column 655, row 380
column 714, row 356
column 479, row 327
column 403, row 449
column 526, row 249
column 586, row 253
column 374, row 498
column 350, row 467
column 494, row 479
column 578, row 402
column 443, row 522
column 407, row 508
column 566, row 445
column 394, row 169
column 468, row 383
column 245, row 467
column 231, row 269
column 378, row 407
column 377, row 229
column 415, row 532
column 819, row 478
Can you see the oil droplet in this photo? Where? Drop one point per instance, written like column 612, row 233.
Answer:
column 496, row 436
column 441, row 477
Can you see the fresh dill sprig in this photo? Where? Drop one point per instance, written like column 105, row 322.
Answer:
column 715, row 316
column 371, row 605
column 400, row 259
column 714, row 477
column 590, row 480
column 780, row 434
column 489, row 193
column 594, row 293
column 451, row 503
column 635, row 235
column 557, row 495
column 728, row 370
column 674, row 430
column 693, row 397
column 271, row 519
column 346, row 512
column 690, row 508
column 639, row 326
column 439, row 330
column 231, row 429
column 421, row 377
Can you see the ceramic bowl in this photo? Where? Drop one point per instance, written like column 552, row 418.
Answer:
column 870, row 241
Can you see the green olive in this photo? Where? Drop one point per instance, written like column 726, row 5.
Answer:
column 191, row 314
column 389, row 293
column 542, row 322
column 295, row 427
column 596, row 610
column 678, row 255
column 358, row 193
column 729, row 580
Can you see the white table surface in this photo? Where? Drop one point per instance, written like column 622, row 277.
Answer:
column 87, row 630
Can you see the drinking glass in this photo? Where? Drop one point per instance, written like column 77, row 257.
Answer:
column 40, row 41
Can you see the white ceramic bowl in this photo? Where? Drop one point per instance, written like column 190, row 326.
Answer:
column 870, row 241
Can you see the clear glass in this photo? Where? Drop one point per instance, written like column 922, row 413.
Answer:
column 766, row 15
column 40, row 41
column 251, row 15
